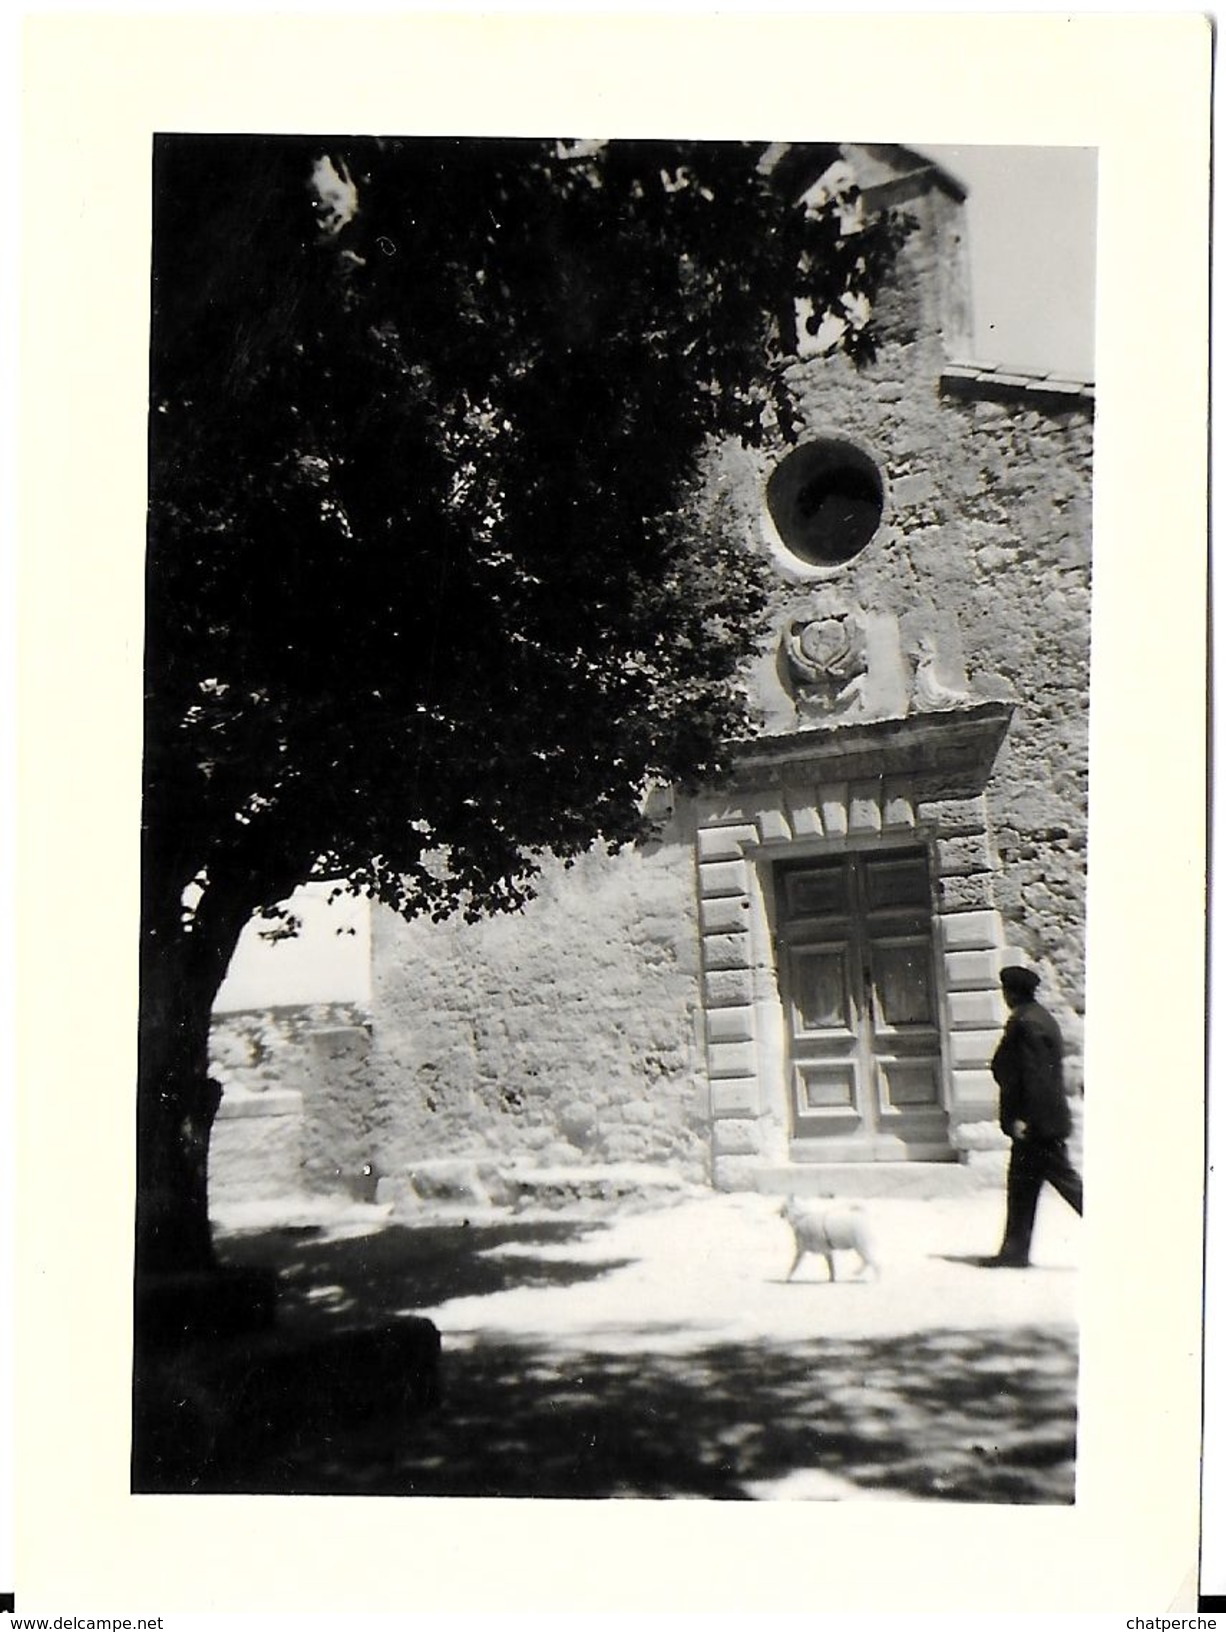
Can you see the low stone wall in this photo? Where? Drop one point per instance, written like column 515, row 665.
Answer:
column 255, row 1153
column 294, row 1114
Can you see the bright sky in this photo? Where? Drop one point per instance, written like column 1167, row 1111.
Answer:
column 1031, row 217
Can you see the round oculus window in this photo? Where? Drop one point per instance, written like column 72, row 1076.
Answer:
column 825, row 500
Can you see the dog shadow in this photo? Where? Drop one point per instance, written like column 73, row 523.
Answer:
column 817, row 1283
column 820, row 1280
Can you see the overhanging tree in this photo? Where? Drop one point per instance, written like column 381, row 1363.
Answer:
column 433, row 583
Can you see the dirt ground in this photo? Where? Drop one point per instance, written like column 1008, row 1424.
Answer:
column 664, row 1353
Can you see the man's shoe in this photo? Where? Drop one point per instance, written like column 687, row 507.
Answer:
column 1005, row 1260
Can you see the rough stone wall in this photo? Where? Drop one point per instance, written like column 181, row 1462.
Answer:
column 567, row 1033
column 985, row 539
column 1028, row 617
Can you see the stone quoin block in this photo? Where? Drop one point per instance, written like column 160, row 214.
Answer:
column 736, row 1097
column 726, row 952
column 954, row 816
column 969, row 1050
column 971, row 892
column 735, row 1137
column 970, row 931
column 735, row 1172
column 730, row 1025
column 731, row 1060
column 725, row 843
column 975, row 1095
column 970, row 1011
column 723, row 878
column 725, row 987
column 968, row 971
column 974, row 1137
column 724, row 914
column 966, row 854
column 723, row 810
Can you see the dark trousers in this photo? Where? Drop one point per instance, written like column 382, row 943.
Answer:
column 1035, row 1162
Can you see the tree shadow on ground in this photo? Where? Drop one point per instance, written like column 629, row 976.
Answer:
column 346, row 1349
column 328, row 1277
column 331, row 1402
column 958, row 1416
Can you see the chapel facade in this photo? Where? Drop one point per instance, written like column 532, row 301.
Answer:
column 798, row 976
column 802, row 970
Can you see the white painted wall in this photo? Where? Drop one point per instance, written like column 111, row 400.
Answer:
column 328, row 961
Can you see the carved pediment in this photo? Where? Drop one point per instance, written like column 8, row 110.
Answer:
column 948, row 754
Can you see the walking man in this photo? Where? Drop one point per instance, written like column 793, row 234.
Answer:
column 1034, row 1113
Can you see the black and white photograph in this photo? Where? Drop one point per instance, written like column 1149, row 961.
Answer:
column 607, row 581
column 613, row 797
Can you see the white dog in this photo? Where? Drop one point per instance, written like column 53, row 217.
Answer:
column 821, row 1228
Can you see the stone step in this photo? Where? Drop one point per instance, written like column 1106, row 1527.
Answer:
column 912, row 1181
column 482, row 1183
column 620, row 1186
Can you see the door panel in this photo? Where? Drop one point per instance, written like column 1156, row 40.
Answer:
column 817, row 892
column 828, row 1088
column 902, row 983
column 857, row 978
column 825, row 1100
column 908, row 1083
column 896, row 881
column 824, row 1019
column 822, row 999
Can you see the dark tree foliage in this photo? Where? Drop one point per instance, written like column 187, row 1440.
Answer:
column 432, row 583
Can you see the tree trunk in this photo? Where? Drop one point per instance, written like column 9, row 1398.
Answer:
column 176, row 1104
column 181, row 970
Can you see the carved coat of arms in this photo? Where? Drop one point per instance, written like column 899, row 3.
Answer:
column 827, row 661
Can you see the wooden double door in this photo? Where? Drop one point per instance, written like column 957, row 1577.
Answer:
column 857, row 977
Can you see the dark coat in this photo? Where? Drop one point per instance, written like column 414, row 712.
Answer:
column 1028, row 1067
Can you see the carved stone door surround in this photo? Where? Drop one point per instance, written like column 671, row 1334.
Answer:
column 917, row 781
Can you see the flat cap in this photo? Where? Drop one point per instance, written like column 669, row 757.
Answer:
column 1016, row 979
